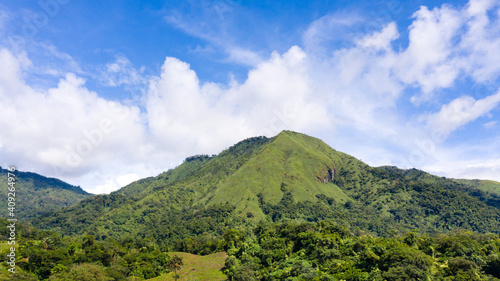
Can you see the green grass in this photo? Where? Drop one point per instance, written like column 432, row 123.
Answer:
column 197, row 267
column 290, row 162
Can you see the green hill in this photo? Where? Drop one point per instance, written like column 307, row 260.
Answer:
column 36, row 194
column 483, row 185
column 288, row 177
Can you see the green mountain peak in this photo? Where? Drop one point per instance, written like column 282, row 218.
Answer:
column 290, row 163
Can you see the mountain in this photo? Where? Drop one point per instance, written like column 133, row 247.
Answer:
column 291, row 176
column 37, row 195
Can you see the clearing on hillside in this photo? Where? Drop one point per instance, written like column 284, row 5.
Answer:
column 197, row 268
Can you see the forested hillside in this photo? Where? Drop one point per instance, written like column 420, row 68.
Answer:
column 288, row 177
column 326, row 251
column 283, row 208
column 36, row 194
column 269, row 251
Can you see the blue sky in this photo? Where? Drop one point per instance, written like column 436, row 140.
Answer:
column 100, row 94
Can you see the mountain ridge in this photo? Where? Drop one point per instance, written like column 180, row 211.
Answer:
column 36, row 194
column 291, row 176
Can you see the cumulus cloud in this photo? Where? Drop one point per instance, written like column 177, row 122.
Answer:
column 275, row 96
column 72, row 133
column 359, row 83
column 380, row 40
column 64, row 131
column 427, row 61
column 482, row 40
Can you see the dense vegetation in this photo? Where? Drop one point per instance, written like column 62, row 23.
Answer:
column 290, row 176
column 45, row 255
column 326, row 251
column 270, row 251
column 284, row 208
column 37, row 194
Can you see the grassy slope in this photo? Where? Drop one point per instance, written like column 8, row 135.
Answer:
column 490, row 186
column 484, row 185
column 149, row 185
column 36, row 194
column 198, row 267
column 290, row 162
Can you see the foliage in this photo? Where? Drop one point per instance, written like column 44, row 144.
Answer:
column 37, row 195
column 83, row 272
column 47, row 255
column 175, row 265
column 271, row 203
column 327, row 251
column 288, row 177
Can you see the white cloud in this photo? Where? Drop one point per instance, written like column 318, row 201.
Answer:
column 71, row 133
column 482, row 40
column 66, row 130
column 243, row 56
column 123, row 180
column 428, row 61
column 359, row 84
column 276, row 95
column 366, row 81
column 121, row 72
column 470, row 161
column 490, row 125
column 461, row 111
column 474, row 169
column 107, row 187
column 380, row 40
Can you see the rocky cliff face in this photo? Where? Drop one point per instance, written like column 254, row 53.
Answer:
column 329, row 176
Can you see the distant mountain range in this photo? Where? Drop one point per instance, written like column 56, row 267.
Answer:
column 291, row 176
column 37, row 195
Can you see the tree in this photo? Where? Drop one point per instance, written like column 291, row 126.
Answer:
column 84, row 272
column 175, row 265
